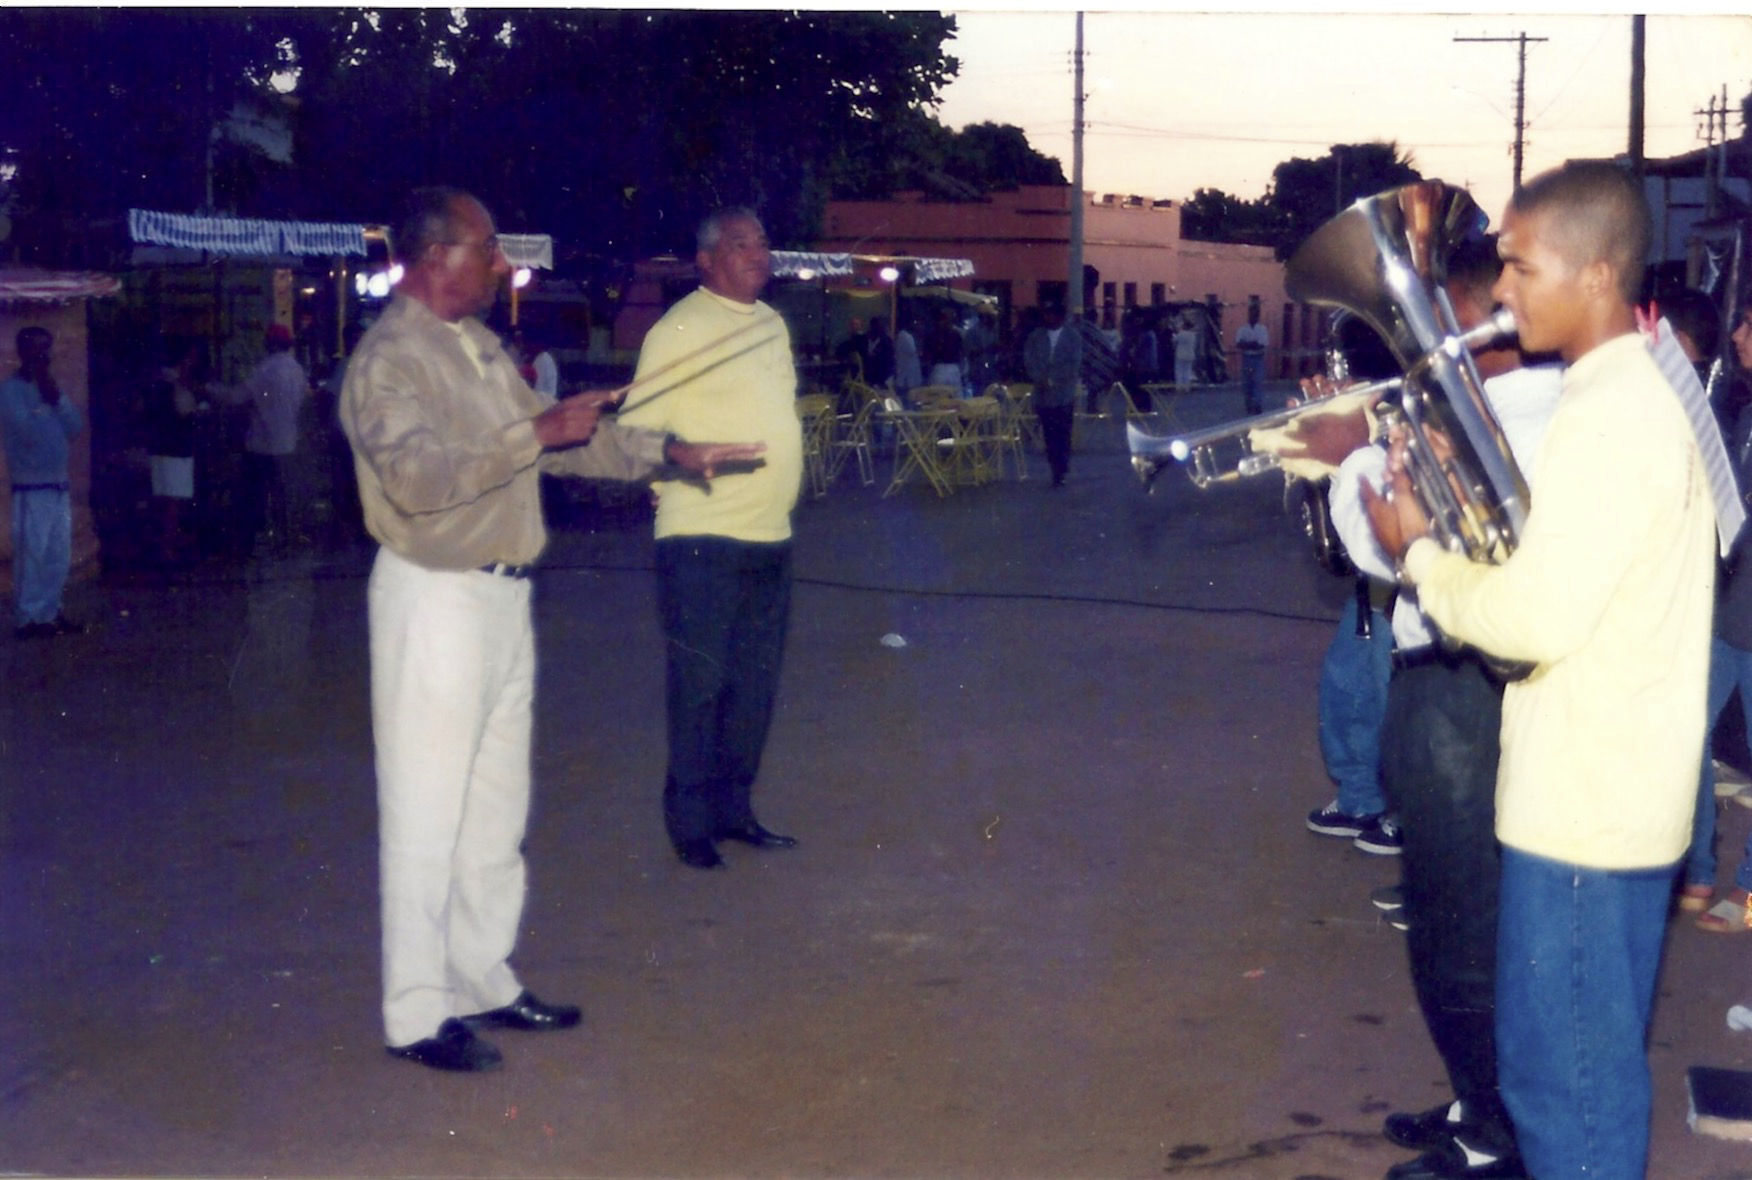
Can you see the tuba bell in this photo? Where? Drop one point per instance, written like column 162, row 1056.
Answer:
column 1384, row 260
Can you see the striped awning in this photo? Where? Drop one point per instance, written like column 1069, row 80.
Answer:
column 28, row 285
column 242, row 235
column 534, row 250
column 935, row 270
column 787, row 263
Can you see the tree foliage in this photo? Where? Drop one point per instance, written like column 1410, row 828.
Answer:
column 921, row 153
column 613, row 129
column 1212, row 215
column 103, row 109
column 1302, row 196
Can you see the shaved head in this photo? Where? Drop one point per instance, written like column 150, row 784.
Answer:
column 1595, row 213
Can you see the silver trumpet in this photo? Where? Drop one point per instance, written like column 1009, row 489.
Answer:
column 1241, row 448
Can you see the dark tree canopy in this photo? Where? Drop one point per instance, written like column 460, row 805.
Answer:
column 1212, row 215
column 614, row 130
column 1302, row 196
column 921, row 153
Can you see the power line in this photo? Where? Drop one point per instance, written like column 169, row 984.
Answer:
column 1522, row 40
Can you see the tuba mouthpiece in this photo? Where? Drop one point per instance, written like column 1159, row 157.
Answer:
column 1499, row 326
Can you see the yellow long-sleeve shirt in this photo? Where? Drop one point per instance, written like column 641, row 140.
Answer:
column 1609, row 594
column 743, row 390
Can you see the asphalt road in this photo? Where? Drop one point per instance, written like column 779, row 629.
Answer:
column 1055, row 913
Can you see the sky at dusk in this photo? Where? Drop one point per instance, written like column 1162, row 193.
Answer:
column 1178, row 101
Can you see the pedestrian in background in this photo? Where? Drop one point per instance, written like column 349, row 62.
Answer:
column 39, row 423
column 275, row 392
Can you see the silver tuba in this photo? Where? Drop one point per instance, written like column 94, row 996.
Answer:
column 1384, row 260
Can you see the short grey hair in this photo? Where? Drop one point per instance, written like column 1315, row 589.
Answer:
column 427, row 217
column 712, row 228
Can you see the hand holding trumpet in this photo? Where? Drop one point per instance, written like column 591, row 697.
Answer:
column 1324, row 435
column 1397, row 517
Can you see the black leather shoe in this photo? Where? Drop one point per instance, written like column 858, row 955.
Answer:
column 1448, row 1162
column 755, row 836
column 1425, row 1131
column 454, row 1047
column 699, row 854
column 528, row 1014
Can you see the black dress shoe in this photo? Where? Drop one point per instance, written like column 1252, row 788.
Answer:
column 752, row 834
column 528, row 1014
column 454, row 1047
column 698, row 854
column 1424, row 1131
column 1448, row 1162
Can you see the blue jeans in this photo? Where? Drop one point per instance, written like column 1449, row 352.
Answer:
column 1253, row 380
column 1729, row 668
column 42, row 552
column 1578, row 950
column 1353, row 701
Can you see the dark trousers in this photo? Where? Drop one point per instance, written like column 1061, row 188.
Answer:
column 1055, row 434
column 724, row 606
column 1439, row 747
column 267, row 503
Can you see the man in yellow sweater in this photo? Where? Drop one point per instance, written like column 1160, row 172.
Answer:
column 718, row 365
column 1609, row 596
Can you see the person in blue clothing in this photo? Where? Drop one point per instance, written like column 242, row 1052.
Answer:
column 1352, row 704
column 39, row 423
column 1730, row 662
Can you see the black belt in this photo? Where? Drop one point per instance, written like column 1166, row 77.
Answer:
column 38, row 487
column 1417, row 657
column 502, row 570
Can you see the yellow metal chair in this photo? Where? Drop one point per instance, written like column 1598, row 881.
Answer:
column 971, row 443
column 816, row 410
column 1007, row 431
column 1163, row 396
column 924, row 396
column 1085, row 419
column 915, row 446
column 1018, row 398
column 852, row 441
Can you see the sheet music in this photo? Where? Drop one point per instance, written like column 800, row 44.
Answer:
column 1724, row 489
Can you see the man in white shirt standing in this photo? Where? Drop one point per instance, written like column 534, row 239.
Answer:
column 1251, row 341
column 275, row 391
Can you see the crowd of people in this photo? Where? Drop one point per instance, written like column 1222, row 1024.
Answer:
column 1530, row 736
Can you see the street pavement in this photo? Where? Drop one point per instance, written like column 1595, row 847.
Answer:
column 1055, row 912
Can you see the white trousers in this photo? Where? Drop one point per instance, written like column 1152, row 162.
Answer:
column 452, row 684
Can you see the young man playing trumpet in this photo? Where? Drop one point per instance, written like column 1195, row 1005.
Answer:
column 1608, row 596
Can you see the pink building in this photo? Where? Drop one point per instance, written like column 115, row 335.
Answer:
column 1019, row 242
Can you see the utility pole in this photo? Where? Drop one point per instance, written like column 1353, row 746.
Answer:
column 1637, row 73
column 1715, row 162
column 1522, row 40
column 1074, row 289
